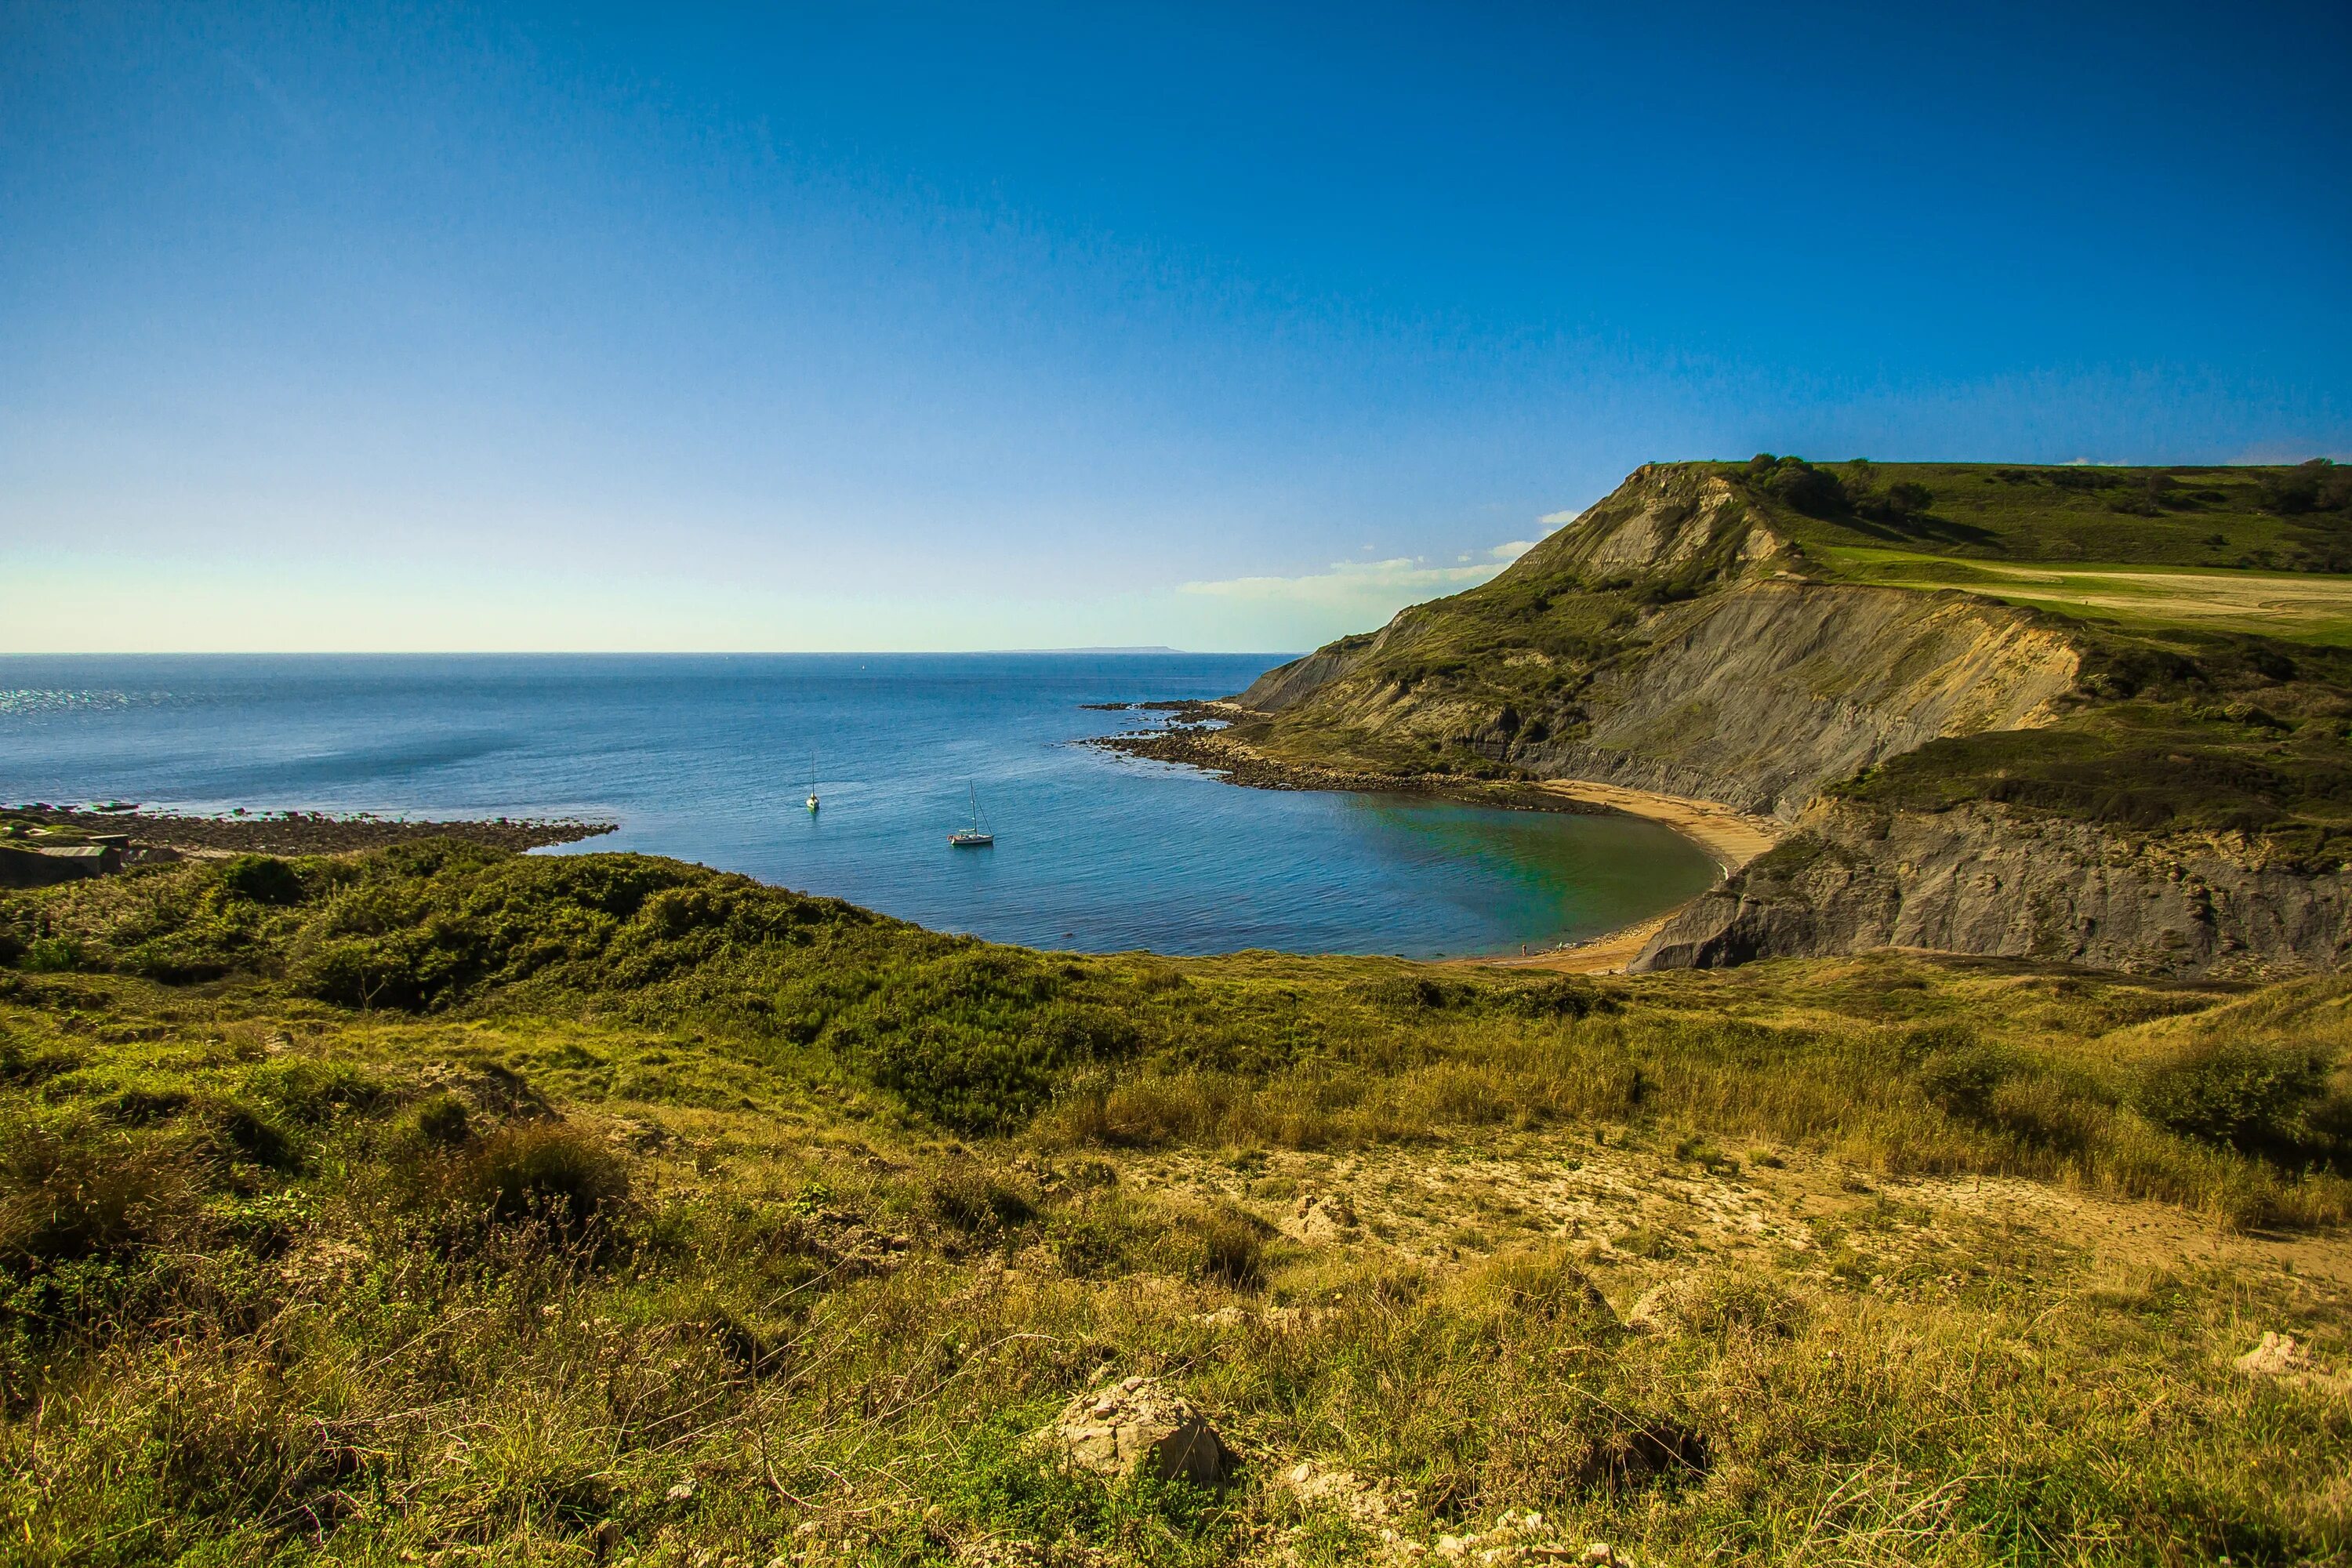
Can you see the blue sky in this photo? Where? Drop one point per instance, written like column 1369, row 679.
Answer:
column 870, row 326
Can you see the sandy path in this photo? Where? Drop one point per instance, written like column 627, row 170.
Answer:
column 1495, row 1189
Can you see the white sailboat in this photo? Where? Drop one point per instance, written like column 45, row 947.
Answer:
column 976, row 837
column 811, row 781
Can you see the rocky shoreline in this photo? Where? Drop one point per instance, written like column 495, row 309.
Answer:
column 304, row 833
column 1187, row 743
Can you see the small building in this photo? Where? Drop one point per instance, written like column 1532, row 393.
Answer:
column 93, row 860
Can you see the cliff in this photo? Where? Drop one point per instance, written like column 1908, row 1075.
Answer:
column 1979, row 879
column 1662, row 641
column 1960, row 773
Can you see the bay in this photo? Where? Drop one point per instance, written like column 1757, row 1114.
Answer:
column 707, row 758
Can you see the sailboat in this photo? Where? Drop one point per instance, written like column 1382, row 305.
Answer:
column 976, row 837
column 811, row 781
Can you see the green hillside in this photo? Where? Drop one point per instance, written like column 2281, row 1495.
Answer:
column 2275, row 519
column 2204, row 605
column 446, row 1206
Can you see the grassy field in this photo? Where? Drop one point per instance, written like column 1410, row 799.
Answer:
column 2252, row 519
column 2294, row 606
column 452, row 1206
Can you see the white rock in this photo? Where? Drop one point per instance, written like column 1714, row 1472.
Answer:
column 1138, row 1426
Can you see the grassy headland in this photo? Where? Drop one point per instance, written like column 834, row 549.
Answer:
column 445, row 1205
column 2203, row 613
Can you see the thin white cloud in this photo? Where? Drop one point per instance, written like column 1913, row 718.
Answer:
column 1559, row 519
column 1394, row 582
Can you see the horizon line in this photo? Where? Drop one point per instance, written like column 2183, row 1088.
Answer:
column 1132, row 651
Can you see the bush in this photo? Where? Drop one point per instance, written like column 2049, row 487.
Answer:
column 1961, row 1078
column 541, row 1173
column 443, row 1119
column 374, row 971
column 1418, row 992
column 1562, row 997
column 968, row 1197
column 51, row 955
column 2255, row 1099
column 1716, row 1303
column 77, row 1190
column 1225, row 1244
column 264, row 878
column 252, row 1133
column 1535, row 1286
column 312, row 1092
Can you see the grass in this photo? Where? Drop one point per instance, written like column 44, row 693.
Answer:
column 670, row 1217
column 2307, row 607
column 2251, row 518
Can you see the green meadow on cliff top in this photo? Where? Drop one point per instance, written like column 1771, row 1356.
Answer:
column 448, row 1205
column 2273, row 519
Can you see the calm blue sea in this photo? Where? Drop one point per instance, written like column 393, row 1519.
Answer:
column 707, row 758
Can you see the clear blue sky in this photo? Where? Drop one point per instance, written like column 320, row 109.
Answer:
column 869, row 326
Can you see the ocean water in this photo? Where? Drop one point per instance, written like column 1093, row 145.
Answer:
column 707, row 758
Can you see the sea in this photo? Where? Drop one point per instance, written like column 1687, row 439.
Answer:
column 709, row 758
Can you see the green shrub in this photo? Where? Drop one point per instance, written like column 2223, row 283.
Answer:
column 368, row 971
column 252, row 1133
column 2253, row 1098
column 1561, row 996
column 1418, row 992
column 264, row 878
column 51, row 955
column 1533, row 1286
column 970, row 1197
column 1962, row 1077
column 544, row 1172
column 442, row 1119
column 311, row 1092
column 1225, row 1244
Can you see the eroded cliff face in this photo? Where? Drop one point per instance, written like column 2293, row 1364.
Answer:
column 1760, row 695
column 1737, row 680
column 1978, row 879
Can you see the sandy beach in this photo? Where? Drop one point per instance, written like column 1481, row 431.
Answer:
column 1732, row 837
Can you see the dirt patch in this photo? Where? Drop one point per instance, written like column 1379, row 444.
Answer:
column 1634, row 1212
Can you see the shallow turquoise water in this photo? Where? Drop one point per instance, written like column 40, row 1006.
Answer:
column 707, row 758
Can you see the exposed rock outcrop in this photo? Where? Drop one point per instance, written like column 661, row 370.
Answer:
column 1676, row 639
column 1977, row 878
column 1139, row 1426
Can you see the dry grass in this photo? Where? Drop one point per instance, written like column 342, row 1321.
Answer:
column 567, row 1277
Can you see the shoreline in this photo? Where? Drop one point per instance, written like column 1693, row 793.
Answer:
column 300, row 832
column 1727, row 835
column 1732, row 837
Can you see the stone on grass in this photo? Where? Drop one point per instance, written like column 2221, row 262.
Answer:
column 2277, row 1356
column 1139, row 1426
column 2281, row 1357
